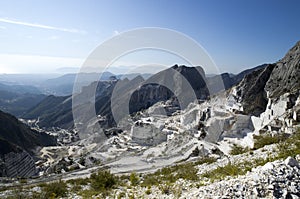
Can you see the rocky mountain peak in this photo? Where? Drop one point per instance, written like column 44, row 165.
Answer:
column 285, row 76
column 270, row 82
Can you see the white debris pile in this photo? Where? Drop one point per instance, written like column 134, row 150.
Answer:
column 278, row 179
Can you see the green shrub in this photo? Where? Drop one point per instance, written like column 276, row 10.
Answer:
column 221, row 172
column 171, row 174
column 165, row 188
column 88, row 193
column 287, row 146
column 103, row 181
column 236, row 150
column 76, row 188
column 290, row 147
column 204, row 160
column 79, row 181
column 55, row 190
column 134, row 179
column 267, row 139
column 23, row 180
column 187, row 172
column 121, row 195
column 148, row 191
column 150, row 180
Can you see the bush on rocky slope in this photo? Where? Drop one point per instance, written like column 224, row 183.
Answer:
column 267, row 139
column 290, row 147
column 55, row 190
column 237, row 149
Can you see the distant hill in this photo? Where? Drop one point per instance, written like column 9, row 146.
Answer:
column 25, row 79
column 57, row 110
column 17, row 99
column 131, row 76
column 63, row 85
column 229, row 79
column 52, row 111
column 20, row 89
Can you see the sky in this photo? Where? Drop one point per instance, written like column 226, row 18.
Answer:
column 45, row 36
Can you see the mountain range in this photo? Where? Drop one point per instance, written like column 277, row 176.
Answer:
column 159, row 122
column 56, row 111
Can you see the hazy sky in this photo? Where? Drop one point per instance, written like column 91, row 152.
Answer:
column 41, row 36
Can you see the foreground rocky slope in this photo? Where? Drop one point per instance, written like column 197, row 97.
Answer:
column 278, row 179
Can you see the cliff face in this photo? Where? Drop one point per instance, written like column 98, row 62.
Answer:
column 270, row 82
column 286, row 74
column 251, row 90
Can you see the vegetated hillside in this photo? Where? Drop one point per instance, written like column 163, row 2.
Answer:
column 52, row 111
column 17, row 99
column 21, row 89
column 14, row 132
column 56, row 111
column 18, row 103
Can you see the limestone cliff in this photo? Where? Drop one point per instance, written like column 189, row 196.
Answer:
column 286, row 74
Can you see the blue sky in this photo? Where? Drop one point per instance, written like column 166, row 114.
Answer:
column 41, row 36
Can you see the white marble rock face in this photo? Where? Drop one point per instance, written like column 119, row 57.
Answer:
column 147, row 134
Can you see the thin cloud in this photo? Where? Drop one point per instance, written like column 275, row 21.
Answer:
column 35, row 25
column 116, row 32
column 3, row 27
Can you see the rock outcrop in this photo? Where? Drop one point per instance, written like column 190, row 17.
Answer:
column 285, row 76
column 251, row 90
column 270, row 82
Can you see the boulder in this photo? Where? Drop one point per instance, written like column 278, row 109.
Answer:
column 291, row 162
